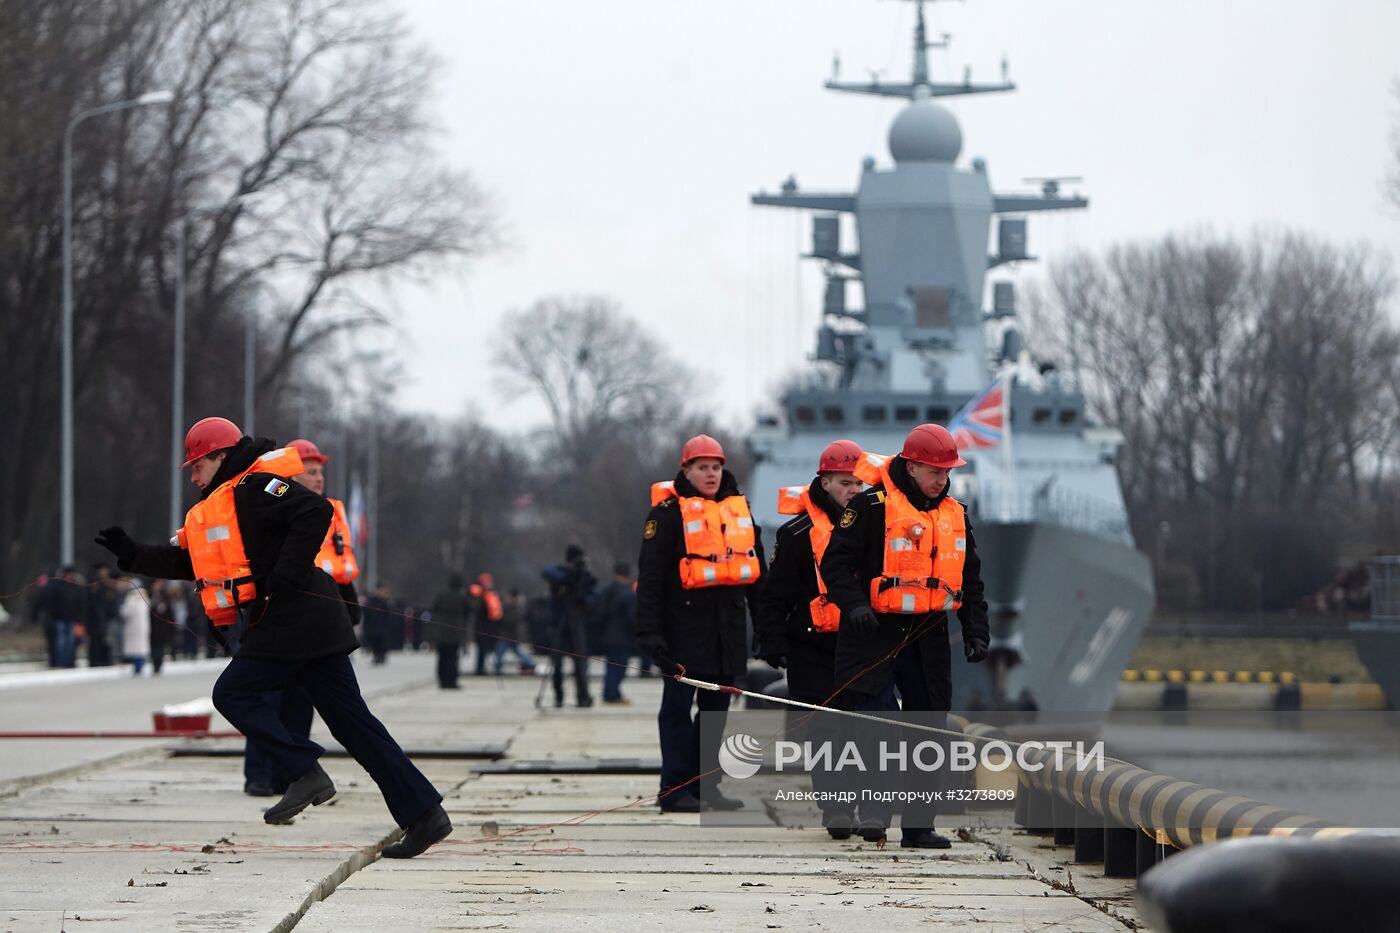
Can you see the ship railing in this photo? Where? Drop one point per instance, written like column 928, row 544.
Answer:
column 1385, row 589
column 1062, row 507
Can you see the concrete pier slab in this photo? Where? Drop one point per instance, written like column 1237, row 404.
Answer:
column 142, row 840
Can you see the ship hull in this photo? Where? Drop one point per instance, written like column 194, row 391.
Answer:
column 1378, row 646
column 1081, row 604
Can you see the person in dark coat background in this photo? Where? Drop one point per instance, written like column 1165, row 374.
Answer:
column 617, row 622
column 485, row 630
column 571, row 586
column 877, row 653
column 382, row 613
column 450, row 612
column 103, row 623
column 299, row 635
column 786, row 624
column 701, row 627
column 67, row 605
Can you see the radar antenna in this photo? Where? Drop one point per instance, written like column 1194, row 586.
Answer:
column 1050, row 184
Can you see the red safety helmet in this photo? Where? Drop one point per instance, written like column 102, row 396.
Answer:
column 210, row 436
column 486, row 580
column 840, row 457
column 701, row 445
column 309, row 451
column 931, row 444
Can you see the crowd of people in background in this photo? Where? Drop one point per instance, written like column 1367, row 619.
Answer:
column 107, row 617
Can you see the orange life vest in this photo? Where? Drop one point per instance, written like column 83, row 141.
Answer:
column 794, row 500
column 924, row 555
column 719, row 539
column 212, row 536
column 494, row 611
column 335, row 557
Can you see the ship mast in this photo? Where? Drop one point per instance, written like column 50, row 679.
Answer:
column 919, row 77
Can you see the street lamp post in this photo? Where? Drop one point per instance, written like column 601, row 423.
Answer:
column 66, row 476
column 177, row 408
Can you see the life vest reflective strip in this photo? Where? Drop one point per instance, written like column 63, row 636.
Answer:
column 719, row 539
column 212, row 536
column 795, row 500
column 335, row 557
column 924, row 555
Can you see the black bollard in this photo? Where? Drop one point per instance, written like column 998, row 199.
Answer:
column 1063, row 815
column 1149, row 853
column 1119, row 851
column 1040, row 813
column 1174, row 697
column 1023, row 796
column 1088, row 837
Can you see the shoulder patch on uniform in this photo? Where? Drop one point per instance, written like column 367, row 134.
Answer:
column 848, row 518
column 650, row 530
column 276, row 487
column 666, row 503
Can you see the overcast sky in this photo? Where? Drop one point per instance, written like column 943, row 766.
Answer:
column 620, row 139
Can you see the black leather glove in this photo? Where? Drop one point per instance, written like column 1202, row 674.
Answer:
column 975, row 650
column 861, row 621
column 776, row 661
column 116, row 540
column 652, row 645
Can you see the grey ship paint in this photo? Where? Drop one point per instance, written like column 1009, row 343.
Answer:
column 1068, row 591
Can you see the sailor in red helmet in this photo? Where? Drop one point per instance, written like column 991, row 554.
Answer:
column 797, row 622
column 250, row 543
column 697, row 581
column 260, row 778
column 336, row 556
column 900, row 563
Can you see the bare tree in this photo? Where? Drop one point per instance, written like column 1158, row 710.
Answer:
column 600, row 375
column 297, row 153
column 1252, row 381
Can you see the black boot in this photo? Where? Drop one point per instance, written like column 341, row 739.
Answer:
column 925, row 839
column 311, row 789
column 431, row 827
column 839, row 826
column 258, row 789
column 717, row 801
column 871, row 830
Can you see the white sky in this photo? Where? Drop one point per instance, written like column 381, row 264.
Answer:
column 620, row 140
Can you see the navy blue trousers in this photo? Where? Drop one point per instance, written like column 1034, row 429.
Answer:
column 295, row 711
column 613, row 672
column 244, row 695
column 914, row 691
column 681, row 754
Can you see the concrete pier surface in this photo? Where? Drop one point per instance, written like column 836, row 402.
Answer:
column 114, row 835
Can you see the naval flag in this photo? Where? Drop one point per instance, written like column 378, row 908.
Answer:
column 359, row 521
column 981, row 422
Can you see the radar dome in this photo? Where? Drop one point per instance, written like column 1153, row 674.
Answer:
column 925, row 132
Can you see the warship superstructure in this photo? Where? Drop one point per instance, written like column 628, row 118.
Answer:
column 1068, row 591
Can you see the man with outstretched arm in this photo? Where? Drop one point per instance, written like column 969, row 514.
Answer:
column 250, row 545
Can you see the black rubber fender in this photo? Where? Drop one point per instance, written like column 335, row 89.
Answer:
column 1276, row 885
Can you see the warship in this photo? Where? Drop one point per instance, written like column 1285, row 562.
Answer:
column 1068, row 591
